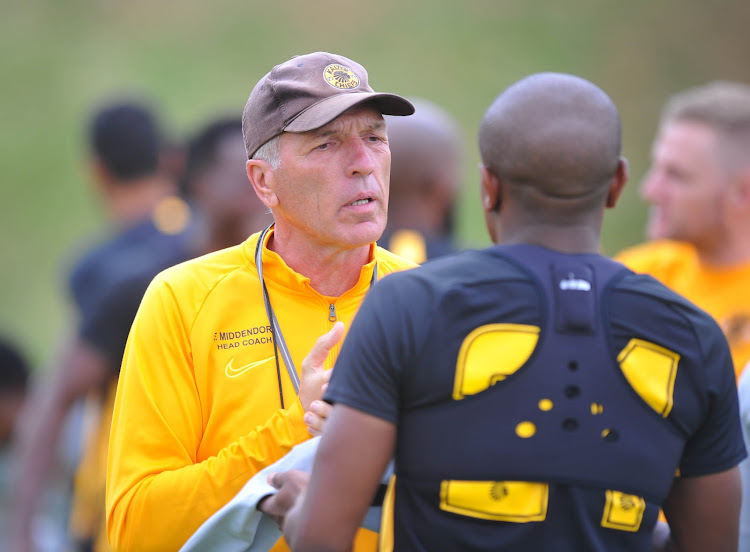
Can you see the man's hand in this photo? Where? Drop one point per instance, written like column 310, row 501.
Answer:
column 316, row 417
column 313, row 376
column 291, row 485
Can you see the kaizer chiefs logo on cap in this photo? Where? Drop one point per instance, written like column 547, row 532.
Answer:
column 340, row 77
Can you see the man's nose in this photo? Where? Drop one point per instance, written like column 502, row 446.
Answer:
column 360, row 160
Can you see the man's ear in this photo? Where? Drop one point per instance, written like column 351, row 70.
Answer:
column 260, row 175
column 618, row 182
column 490, row 190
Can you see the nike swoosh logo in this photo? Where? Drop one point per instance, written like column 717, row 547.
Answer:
column 233, row 372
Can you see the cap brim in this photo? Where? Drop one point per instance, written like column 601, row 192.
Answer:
column 327, row 110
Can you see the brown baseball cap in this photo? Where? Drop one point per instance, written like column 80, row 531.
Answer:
column 308, row 92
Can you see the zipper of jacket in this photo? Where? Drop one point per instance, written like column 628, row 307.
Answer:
column 332, row 313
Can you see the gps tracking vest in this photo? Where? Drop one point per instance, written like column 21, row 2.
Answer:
column 560, row 408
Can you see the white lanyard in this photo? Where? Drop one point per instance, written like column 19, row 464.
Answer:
column 279, row 344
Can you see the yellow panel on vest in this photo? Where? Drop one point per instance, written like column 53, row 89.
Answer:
column 623, row 512
column 650, row 371
column 512, row 501
column 490, row 354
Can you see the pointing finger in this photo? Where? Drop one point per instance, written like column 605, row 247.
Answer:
column 323, row 346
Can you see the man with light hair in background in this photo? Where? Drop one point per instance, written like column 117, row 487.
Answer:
column 698, row 188
column 147, row 233
column 427, row 165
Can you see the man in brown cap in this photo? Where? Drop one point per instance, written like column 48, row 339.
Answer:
column 215, row 382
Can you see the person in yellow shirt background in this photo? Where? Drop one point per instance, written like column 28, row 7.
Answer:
column 698, row 188
column 215, row 383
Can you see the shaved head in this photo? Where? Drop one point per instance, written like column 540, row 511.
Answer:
column 552, row 136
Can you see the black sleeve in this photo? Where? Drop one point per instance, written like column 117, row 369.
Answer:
column 718, row 443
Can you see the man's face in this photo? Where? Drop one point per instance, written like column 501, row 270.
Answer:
column 685, row 185
column 332, row 183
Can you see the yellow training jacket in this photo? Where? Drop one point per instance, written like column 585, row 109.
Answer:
column 198, row 410
column 723, row 292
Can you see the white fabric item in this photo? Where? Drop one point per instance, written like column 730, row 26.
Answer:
column 240, row 527
column 743, row 390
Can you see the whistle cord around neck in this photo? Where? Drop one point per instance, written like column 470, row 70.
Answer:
column 279, row 344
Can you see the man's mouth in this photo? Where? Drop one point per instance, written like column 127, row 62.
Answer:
column 361, row 201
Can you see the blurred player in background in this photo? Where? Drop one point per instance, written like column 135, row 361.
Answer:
column 226, row 210
column 427, row 164
column 698, row 188
column 148, row 221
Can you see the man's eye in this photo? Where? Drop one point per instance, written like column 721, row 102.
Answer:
column 323, row 146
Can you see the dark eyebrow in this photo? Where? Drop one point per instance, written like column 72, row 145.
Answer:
column 321, row 133
column 377, row 125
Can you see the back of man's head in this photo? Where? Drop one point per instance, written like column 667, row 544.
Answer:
column 125, row 138
column 553, row 137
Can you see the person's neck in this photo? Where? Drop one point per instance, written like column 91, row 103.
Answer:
column 331, row 271
column 576, row 239
column 134, row 201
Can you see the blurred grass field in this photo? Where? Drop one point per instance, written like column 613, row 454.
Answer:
column 197, row 59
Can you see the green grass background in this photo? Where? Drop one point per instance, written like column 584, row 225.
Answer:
column 197, row 59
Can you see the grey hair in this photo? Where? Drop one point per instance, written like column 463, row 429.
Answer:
column 270, row 152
